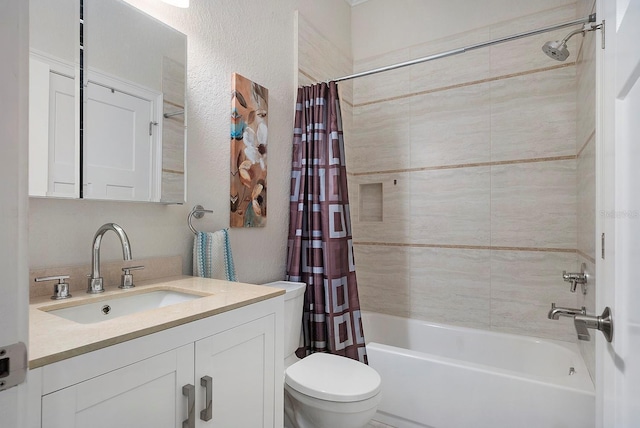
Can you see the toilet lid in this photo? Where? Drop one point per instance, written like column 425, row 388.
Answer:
column 333, row 378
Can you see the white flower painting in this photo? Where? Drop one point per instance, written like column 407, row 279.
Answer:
column 249, row 132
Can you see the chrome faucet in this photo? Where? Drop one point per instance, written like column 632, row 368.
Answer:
column 577, row 278
column 95, row 280
column 603, row 322
column 556, row 312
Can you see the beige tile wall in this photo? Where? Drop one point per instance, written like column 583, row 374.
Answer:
column 385, row 285
column 534, row 115
column 396, row 209
column 433, row 141
column 586, row 165
column 524, row 55
column 534, row 205
column 482, row 150
column 451, row 285
column 476, row 156
column 523, row 283
column 377, row 127
column 450, row 206
column 173, row 131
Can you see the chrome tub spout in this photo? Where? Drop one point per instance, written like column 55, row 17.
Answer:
column 557, row 312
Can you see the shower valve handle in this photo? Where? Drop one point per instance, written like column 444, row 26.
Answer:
column 576, row 278
column 604, row 323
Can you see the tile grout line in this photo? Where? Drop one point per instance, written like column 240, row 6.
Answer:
column 465, row 165
column 465, row 84
column 491, row 254
column 586, row 143
column 469, row 247
column 586, row 256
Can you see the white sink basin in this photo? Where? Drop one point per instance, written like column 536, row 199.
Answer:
column 125, row 305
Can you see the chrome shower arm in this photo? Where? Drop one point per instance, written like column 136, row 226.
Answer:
column 573, row 33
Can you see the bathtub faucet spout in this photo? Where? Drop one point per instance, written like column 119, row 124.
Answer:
column 556, row 312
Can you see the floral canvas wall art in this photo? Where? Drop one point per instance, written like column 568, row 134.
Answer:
column 249, row 131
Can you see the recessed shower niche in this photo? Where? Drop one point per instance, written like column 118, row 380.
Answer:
column 370, row 202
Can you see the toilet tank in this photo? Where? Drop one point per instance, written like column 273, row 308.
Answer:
column 293, row 301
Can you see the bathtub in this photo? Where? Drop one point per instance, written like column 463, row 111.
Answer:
column 439, row 376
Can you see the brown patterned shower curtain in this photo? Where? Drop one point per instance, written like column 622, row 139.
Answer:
column 320, row 246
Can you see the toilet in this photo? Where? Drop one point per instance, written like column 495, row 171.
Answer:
column 322, row 390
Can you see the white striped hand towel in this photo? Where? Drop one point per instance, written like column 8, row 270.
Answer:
column 212, row 256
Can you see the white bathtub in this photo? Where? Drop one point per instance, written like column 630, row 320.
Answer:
column 441, row 376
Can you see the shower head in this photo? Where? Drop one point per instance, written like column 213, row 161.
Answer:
column 558, row 49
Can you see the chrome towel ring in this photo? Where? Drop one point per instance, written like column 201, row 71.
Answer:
column 197, row 212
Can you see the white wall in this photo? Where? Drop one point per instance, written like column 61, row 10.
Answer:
column 254, row 39
column 52, row 28
column 14, row 74
column 381, row 26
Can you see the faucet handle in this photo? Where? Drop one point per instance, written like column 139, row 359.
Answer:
column 127, row 276
column 61, row 289
column 575, row 278
column 603, row 322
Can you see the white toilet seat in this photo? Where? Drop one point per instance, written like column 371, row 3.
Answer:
column 333, row 378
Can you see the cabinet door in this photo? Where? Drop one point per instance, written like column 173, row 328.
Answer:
column 117, row 148
column 240, row 362
column 52, row 126
column 145, row 394
column 62, row 143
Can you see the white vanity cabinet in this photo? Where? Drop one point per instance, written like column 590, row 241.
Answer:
column 233, row 359
column 143, row 394
column 242, row 389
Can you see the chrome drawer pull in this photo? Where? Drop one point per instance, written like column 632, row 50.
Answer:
column 189, row 391
column 207, row 382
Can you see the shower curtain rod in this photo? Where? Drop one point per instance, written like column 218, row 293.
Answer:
column 590, row 18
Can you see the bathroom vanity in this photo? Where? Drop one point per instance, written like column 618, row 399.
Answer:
column 211, row 361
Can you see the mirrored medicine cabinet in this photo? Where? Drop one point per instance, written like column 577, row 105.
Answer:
column 107, row 115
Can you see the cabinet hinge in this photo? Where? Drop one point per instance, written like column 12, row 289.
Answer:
column 602, row 246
